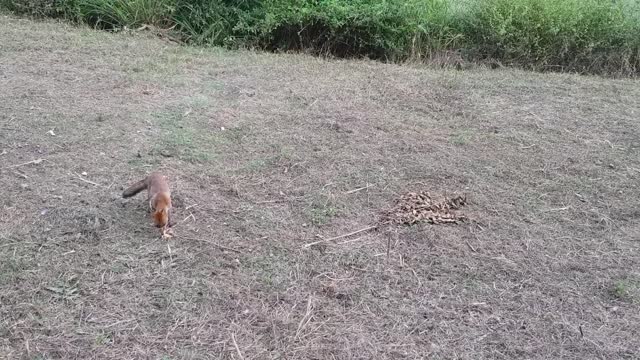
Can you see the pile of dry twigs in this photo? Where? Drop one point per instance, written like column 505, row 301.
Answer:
column 413, row 207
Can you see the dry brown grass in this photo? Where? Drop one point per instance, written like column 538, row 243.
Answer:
column 550, row 164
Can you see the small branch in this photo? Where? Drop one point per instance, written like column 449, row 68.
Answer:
column 20, row 174
column 270, row 201
column 188, row 217
column 313, row 103
column 36, row 161
column 87, row 181
column 340, row 237
column 235, row 344
column 305, row 319
column 388, row 246
column 350, row 241
column 275, row 201
column 360, row 189
column 214, row 244
column 559, row 209
column 524, row 147
column 119, row 322
column 470, row 247
column 416, row 276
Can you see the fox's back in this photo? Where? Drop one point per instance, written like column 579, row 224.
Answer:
column 157, row 183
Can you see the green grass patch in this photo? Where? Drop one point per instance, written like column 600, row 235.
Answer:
column 180, row 139
column 321, row 210
column 626, row 290
column 462, row 137
column 272, row 268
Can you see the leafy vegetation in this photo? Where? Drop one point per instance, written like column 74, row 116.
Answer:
column 588, row 36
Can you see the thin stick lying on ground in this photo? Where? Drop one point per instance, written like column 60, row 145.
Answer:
column 360, row 188
column 559, row 209
column 190, row 206
column 305, row 319
column 235, row 344
column 270, row 201
column 20, row 174
column 350, row 241
column 87, row 181
column 36, row 161
column 277, row 201
column 187, row 218
column 340, row 237
column 214, row 244
column 470, row 246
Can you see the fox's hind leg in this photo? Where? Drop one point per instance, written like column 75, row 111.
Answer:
column 151, row 208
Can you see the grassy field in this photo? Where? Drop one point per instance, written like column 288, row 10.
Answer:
column 267, row 153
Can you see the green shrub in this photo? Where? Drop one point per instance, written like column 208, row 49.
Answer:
column 435, row 26
column 343, row 28
column 215, row 22
column 390, row 30
column 39, row 8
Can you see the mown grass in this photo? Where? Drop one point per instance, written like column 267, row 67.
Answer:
column 549, row 168
column 179, row 139
column 588, row 36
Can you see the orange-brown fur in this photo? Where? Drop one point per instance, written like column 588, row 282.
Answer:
column 159, row 196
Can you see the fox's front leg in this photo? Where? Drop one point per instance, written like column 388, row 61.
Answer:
column 167, row 232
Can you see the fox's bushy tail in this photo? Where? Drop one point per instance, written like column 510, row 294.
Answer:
column 135, row 188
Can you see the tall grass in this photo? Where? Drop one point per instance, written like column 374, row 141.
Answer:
column 215, row 22
column 113, row 14
column 590, row 36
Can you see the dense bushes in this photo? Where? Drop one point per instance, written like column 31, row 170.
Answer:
column 216, row 22
column 383, row 30
column 33, row 7
column 582, row 35
column 575, row 35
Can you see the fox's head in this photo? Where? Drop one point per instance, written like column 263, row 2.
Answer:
column 161, row 217
column 162, row 207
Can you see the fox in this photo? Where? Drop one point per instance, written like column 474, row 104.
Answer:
column 159, row 197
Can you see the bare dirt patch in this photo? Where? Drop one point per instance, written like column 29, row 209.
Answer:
column 266, row 152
